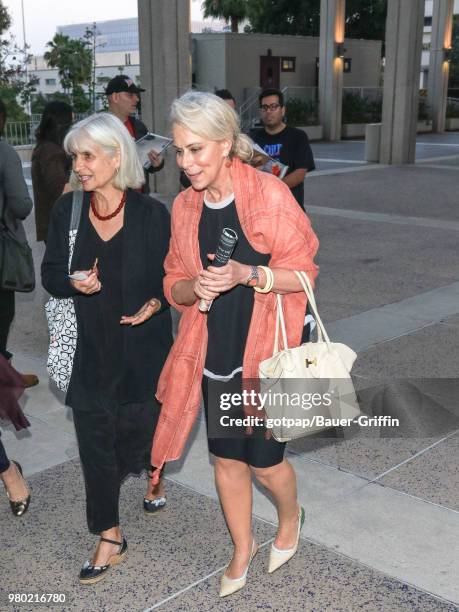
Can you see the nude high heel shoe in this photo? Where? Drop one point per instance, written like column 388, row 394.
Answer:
column 228, row 586
column 277, row 556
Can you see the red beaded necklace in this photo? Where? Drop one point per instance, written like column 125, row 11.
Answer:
column 111, row 215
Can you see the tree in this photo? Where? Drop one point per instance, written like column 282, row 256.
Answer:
column 233, row 11
column 73, row 60
column 91, row 36
column 5, row 19
column 454, row 64
column 14, row 111
column 295, row 17
column 80, row 101
column 364, row 18
column 13, row 62
column 40, row 101
column 7, row 46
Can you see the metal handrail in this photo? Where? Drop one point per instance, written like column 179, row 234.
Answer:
column 19, row 133
column 248, row 103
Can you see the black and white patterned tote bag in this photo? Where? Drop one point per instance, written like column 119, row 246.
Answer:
column 60, row 314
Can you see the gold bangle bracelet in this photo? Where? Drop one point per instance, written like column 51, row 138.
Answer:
column 269, row 280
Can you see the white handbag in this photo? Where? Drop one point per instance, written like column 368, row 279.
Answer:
column 60, row 314
column 307, row 388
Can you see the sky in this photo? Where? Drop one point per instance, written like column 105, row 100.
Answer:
column 42, row 16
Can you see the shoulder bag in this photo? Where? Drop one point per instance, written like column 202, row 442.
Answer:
column 60, row 314
column 308, row 388
column 17, row 271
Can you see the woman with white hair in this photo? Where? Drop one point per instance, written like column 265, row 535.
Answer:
column 123, row 321
column 215, row 348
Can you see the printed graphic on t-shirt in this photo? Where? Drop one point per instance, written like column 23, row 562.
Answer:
column 273, row 150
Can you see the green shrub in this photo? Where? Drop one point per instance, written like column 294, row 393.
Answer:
column 360, row 109
column 423, row 109
column 301, row 112
column 452, row 111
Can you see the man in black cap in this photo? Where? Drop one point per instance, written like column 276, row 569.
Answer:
column 123, row 98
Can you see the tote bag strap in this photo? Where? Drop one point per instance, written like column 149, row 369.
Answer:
column 307, row 287
column 280, row 323
column 77, row 205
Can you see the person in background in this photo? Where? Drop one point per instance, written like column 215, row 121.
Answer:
column 287, row 144
column 11, row 389
column 213, row 350
column 226, row 95
column 124, row 328
column 123, row 99
column 15, row 206
column 51, row 165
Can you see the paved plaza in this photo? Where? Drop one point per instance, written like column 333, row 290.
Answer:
column 382, row 510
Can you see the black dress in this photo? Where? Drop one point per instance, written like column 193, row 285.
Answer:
column 228, row 325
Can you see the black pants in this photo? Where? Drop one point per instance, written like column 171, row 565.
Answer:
column 114, row 440
column 4, row 461
column 6, row 318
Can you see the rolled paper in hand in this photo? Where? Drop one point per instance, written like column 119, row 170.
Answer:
column 223, row 252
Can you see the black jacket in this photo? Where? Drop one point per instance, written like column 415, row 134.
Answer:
column 145, row 244
column 140, row 129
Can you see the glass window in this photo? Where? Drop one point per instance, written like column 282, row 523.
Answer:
column 288, row 64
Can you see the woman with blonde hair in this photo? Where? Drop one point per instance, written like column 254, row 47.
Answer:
column 123, row 321
column 214, row 349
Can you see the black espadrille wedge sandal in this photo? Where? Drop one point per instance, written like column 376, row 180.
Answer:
column 90, row 574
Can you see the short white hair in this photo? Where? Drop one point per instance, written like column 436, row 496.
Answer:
column 210, row 117
column 107, row 131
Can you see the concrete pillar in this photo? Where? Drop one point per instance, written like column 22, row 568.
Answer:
column 165, row 71
column 332, row 14
column 442, row 28
column 372, row 142
column 404, row 27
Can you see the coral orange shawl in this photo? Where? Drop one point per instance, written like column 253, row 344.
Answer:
column 273, row 223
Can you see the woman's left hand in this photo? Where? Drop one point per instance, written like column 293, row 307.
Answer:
column 148, row 310
column 156, row 159
column 225, row 278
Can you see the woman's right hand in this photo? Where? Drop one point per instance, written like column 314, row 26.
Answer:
column 203, row 292
column 88, row 286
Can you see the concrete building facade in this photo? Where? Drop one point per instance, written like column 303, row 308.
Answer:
column 108, row 65
column 242, row 62
column 117, row 51
column 427, row 40
column 217, row 58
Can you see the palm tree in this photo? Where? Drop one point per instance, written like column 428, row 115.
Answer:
column 233, row 11
column 72, row 58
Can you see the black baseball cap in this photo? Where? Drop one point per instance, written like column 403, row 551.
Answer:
column 122, row 83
